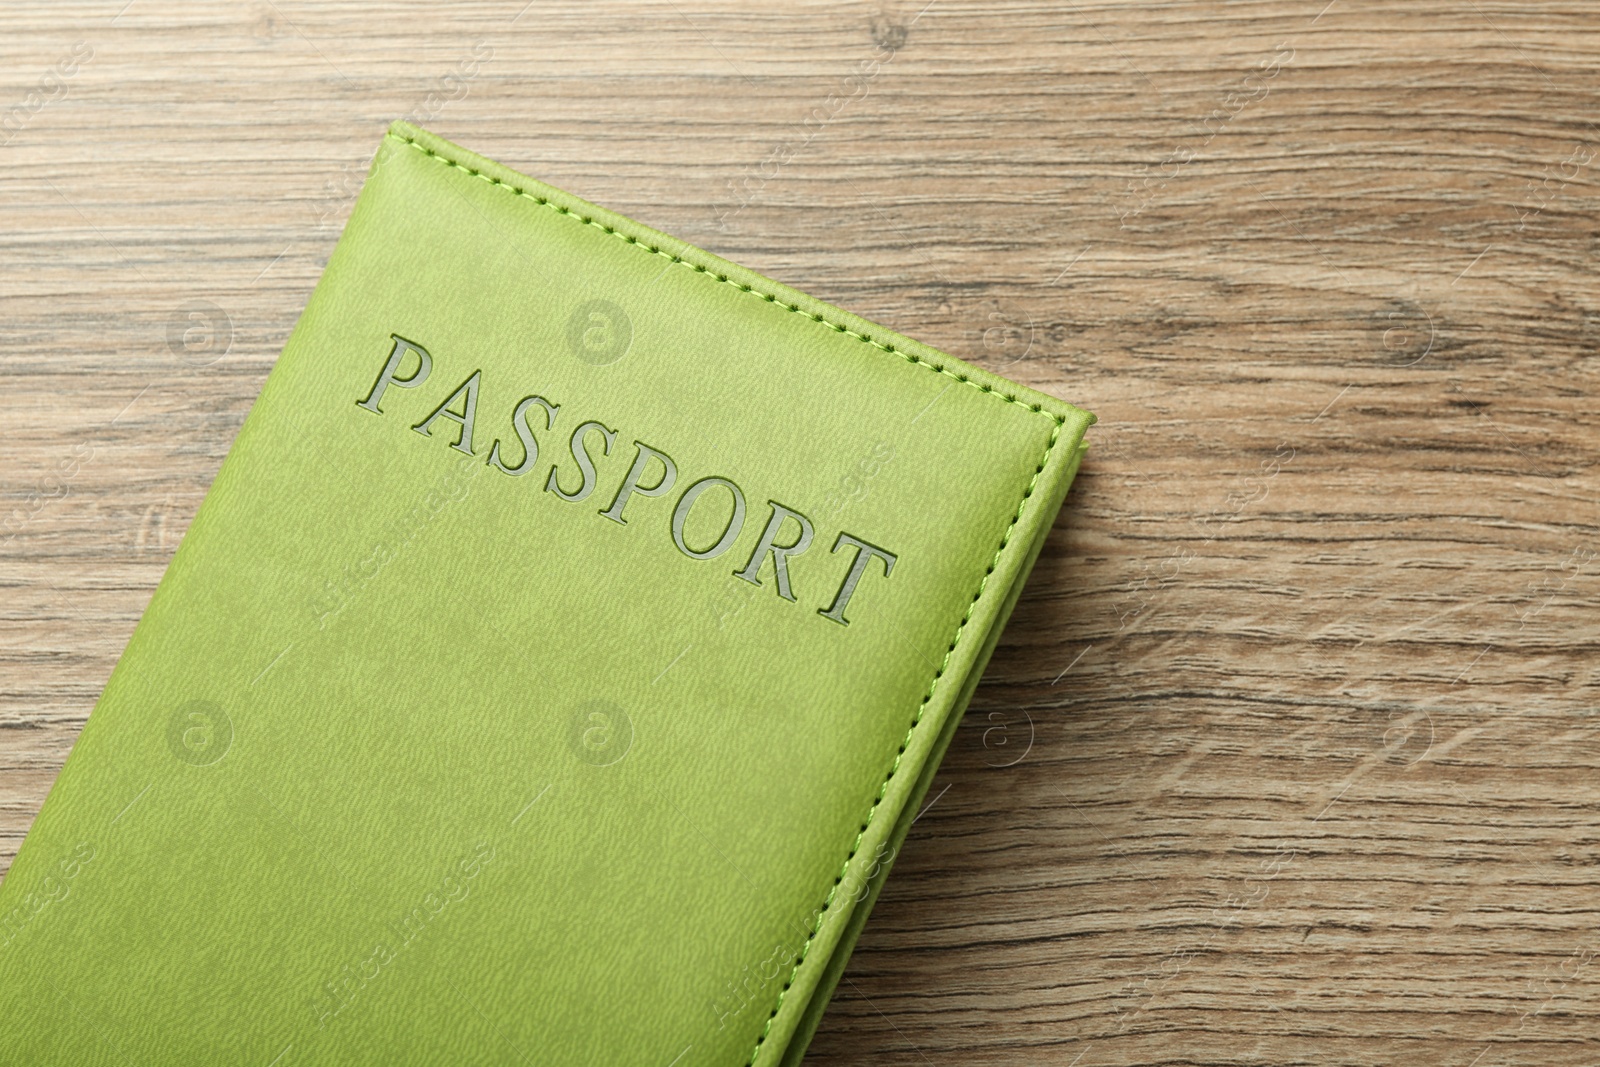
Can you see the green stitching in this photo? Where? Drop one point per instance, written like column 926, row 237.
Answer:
column 906, row 742
column 654, row 250
column 1005, row 539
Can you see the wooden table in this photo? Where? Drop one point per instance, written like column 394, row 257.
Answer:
column 1288, row 753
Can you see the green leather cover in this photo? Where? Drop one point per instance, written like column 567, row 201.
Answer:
column 551, row 673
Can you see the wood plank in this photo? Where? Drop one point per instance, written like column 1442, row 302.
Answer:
column 1289, row 752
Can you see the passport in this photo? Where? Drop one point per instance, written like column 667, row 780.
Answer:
column 552, row 671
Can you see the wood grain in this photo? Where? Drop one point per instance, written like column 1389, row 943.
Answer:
column 1289, row 753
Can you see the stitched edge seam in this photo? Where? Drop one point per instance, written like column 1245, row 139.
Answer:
column 705, row 271
column 916, row 721
column 1005, row 539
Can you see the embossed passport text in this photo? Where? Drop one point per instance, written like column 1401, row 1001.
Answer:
column 551, row 673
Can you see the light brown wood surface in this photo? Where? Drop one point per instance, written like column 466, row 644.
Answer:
column 1290, row 752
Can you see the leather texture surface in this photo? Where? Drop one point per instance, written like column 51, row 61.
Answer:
column 419, row 755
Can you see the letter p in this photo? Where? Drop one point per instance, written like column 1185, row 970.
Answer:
column 390, row 375
column 631, row 484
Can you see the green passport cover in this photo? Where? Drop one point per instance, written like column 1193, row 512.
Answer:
column 551, row 673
